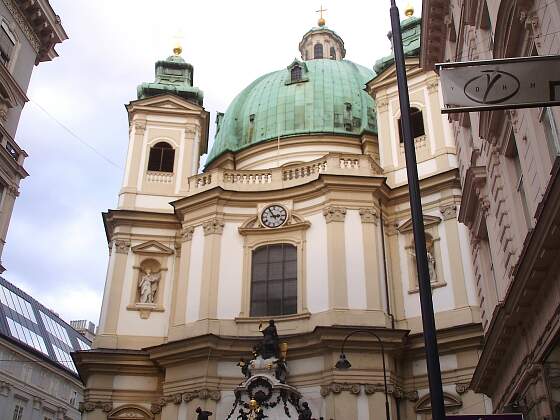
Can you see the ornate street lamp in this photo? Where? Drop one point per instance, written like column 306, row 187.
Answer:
column 425, row 289
column 344, row 364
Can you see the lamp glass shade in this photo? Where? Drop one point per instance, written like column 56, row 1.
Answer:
column 343, row 362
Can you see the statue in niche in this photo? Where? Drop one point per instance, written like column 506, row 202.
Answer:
column 432, row 266
column 148, row 286
column 305, row 413
column 270, row 346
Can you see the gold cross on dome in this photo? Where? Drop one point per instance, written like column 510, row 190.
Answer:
column 321, row 19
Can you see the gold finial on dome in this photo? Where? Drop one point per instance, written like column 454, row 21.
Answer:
column 321, row 21
column 177, row 50
column 409, row 10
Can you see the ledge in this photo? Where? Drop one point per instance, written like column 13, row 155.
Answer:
column 277, row 318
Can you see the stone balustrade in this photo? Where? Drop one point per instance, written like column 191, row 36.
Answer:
column 287, row 176
column 159, row 177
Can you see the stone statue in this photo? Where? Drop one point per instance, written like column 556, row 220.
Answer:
column 148, row 286
column 432, row 267
column 270, row 345
column 202, row 414
column 259, row 414
column 242, row 415
column 244, row 368
column 305, row 413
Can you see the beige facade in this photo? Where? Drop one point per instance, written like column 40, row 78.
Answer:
column 348, row 218
column 29, row 31
column 508, row 162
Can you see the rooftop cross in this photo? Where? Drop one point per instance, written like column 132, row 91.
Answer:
column 321, row 19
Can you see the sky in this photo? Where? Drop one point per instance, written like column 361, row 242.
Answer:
column 75, row 126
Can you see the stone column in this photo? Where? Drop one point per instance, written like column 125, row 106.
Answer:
column 371, row 260
column 449, row 214
column 213, row 230
column 336, row 254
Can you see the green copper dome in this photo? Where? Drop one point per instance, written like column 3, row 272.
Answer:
column 329, row 99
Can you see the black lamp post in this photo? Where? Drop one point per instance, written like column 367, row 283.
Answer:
column 428, row 322
column 343, row 363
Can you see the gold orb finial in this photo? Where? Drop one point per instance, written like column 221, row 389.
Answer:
column 409, row 10
column 177, row 50
column 321, row 21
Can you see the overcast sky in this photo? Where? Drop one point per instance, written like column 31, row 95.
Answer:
column 56, row 247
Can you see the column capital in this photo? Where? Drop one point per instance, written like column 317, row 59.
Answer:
column 448, row 211
column 122, row 246
column 334, row 214
column 213, row 227
column 369, row 215
column 187, row 233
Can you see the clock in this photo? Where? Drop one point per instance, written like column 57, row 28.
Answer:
column 274, row 216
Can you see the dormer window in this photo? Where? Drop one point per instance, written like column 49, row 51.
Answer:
column 296, row 74
column 7, row 42
column 318, row 51
column 162, row 157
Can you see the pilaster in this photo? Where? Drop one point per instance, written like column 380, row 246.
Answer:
column 213, row 230
column 371, row 261
column 180, row 296
column 336, row 254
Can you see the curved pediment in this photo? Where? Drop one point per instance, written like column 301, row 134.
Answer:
column 130, row 412
column 254, row 226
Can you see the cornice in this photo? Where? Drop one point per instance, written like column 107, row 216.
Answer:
column 116, row 218
column 434, row 32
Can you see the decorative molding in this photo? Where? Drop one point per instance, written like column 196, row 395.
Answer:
column 5, row 388
column 448, row 211
column 203, row 394
column 334, row 214
column 122, row 246
column 382, row 104
column 337, row 388
column 152, row 248
column 187, row 233
column 24, row 26
column 461, row 388
column 140, row 126
column 155, row 408
column 450, row 401
column 433, row 85
column 87, row 406
column 428, row 222
column 369, row 215
column 213, row 227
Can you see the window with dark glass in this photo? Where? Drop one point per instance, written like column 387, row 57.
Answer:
column 417, row 121
column 318, row 51
column 333, row 53
column 274, row 280
column 296, row 74
column 162, row 156
column 7, row 42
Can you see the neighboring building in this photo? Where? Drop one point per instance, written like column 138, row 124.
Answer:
column 84, row 327
column 29, row 31
column 301, row 215
column 38, row 379
column 509, row 167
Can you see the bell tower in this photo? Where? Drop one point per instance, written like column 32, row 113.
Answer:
column 168, row 134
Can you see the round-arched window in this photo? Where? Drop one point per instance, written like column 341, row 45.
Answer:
column 162, row 157
column 318, row 51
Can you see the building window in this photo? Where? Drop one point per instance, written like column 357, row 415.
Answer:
column 551, row 132
column 18, row 410
column 333, row 53
column 296, row 74
column 7, row 42
column 274, row 280
column 318, row 51
column 162, row 156
column 417, row 121
column 513, row 157
column 10, row 148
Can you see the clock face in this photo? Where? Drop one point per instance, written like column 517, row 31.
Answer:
column 274, row 216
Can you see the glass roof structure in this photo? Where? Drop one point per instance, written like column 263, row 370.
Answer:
column 26, row 322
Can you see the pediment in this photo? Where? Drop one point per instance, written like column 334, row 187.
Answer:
column 450, row 402
column 167, row 101
column 152, row 248
column 389, row 75
column 130, row 413
column 253, row 225
column 428, row 222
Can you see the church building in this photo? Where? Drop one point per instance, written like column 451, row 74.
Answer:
column 300, row 216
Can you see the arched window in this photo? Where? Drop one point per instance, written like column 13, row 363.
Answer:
column 417, row 124
column 162, row 156
column 274, row 280
column 333, row 53
column 296, row 74
column 318, row 51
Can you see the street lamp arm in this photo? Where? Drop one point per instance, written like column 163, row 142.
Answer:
column 362, row 331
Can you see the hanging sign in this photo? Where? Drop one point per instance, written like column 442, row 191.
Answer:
column 523, row 82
